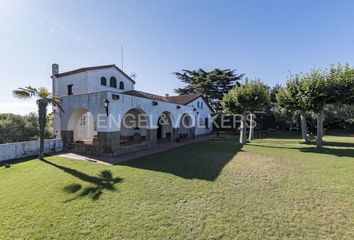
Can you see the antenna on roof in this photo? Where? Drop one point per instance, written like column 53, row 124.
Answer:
column 122, row 57
column 133, row 76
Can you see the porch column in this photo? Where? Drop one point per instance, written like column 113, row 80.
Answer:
column 175, row 134
column 192, row 133
column 151, row 135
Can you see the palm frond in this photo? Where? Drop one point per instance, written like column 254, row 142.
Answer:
column 26, row 92
column 21, row 94
column 43, row 92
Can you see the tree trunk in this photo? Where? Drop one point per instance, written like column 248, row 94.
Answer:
column 303, row 127
column 243, row 129
column 252, row 126
column 42, row 122
column 319, row 140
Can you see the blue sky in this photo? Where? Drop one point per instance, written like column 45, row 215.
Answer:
column 263, row 39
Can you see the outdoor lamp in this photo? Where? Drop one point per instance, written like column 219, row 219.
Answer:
column 106, row 105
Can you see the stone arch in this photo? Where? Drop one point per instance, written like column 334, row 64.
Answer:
column 83, row 125
column 186, row 125
column 164, row 125
column 134, row 126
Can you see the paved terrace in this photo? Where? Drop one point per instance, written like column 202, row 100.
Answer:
column 133, row 155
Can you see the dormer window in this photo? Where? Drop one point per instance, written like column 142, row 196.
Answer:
column 121, row 85
column 103, row 81
column 113, row 82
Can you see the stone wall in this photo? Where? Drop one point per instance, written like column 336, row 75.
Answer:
column 108, row 142
column 31, row 148
column 68, row 138
column 93, row 149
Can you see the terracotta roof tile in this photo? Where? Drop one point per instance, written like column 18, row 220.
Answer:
column 182, row 99
column 145, row 95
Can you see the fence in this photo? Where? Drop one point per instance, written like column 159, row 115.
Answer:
column 10, row 151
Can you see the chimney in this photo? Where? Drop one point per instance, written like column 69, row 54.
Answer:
column 166, row 95
column 55, row 69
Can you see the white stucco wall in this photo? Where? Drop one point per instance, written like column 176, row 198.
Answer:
column 75, row 106
column 203, row 112
column 90, row 82
column 94, row 80
column 79, row 82
column 25, row 149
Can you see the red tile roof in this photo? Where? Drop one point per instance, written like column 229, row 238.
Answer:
column 145, row 95
column 80, row 70
column 180, row 100
column 183, row 99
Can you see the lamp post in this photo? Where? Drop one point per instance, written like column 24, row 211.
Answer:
column 106, row 105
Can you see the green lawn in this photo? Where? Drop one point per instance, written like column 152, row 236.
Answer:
column 272, row 188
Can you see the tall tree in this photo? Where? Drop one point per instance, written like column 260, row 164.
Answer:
column 43, row 99
column 314, row 90
column 333, row 86
column 259, row 96
column 291, row 98
column 213, row 85
column 315, row 94
column 341, row 84
column 250, row 97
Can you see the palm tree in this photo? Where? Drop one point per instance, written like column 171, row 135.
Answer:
column 44, row 98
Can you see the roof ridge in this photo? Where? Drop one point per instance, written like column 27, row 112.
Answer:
column 84, row 69
column 192, row 94
column 178, row 99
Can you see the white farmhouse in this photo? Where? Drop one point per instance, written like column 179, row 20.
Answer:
column 103, row 114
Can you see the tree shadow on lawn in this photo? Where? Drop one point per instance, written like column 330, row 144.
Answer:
column 203, row 160
column 339, row 144
column 339, row 152
column 283, row 135
column 17, row 161
column 104, row 181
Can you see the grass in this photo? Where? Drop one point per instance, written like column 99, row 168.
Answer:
column 271, row 188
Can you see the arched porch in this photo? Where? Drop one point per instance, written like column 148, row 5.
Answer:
column 134, row 127
column 165, row 127
column 186, row 128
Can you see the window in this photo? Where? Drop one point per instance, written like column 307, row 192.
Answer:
column 201, row 104
column 103, row 81
column 70, row 89
column 206, row 123
column 83, row 121
column 113, row 82
column 197, row 104
column 121, row 85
